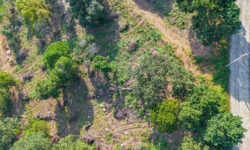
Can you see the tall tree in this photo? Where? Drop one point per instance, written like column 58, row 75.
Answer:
column 223, row 131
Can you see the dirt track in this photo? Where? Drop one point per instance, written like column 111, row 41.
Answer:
column 240, row 73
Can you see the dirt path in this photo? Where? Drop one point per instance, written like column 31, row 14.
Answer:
column 240, row 74
column 4, row 61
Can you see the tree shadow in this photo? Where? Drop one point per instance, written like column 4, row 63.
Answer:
column 77, row 110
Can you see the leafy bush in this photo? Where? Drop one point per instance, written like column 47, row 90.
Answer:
column 223, row 131
column 101, row 63
column 4, row 100
column 33, row 11
column 202, row 103
column 165, row 116
column 33, row 141
column 9, row 129
column 64, row 70
column 71, row 143
column 6, row 80
column 190, row 144
column 214, row 20
column 89, row 12
column 151, row 81
column 36, row 125
column 54, row 52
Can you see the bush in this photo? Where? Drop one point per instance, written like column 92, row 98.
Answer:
column 64, row 70
column 9, row 129
column 89, row 12
column 71, row 143
column 54, row 52
column 4, row 101
column 33, row 141
column 6, row 80
column 36, row 125
column 101, row 63
column 202, row 103
column 165, row 116
column 223, row 131
column 190, row 144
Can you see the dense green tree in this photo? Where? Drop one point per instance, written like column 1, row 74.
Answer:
column 213, row 20
column 70, row 142
column 9, row 129
column 33, row 11
column 53, row 52
column 150, row 80
column 201, row 104
column 190, row 144
column 165, row 116
column 223, row 131
column 33, row 141
column 89, row 12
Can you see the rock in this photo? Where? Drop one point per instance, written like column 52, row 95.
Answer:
column 113, row 15
column 155, row 52
column 43, row 68
column 133, row 45
column 121, row 113
column 88, row 138
column 101, row 106
column 123, row 26
column 28, row 76
column 93, row 49
column 12, row 63
column 172, row 20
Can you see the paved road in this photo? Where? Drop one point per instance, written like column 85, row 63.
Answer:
column 240, row 74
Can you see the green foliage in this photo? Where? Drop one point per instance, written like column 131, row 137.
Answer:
column 190, row 144
column 46, row 88
column 9, row 129
column 53, row 52
column 4, row 101
column 71, row 143
column 151, row 81
column 223, row 131
column 165, row 115
column 33, row 141
column 36, row 125
column 214, row 20
column 202, row 103
column 65, row 69
column 101, row 63
column 89, row 12
column 6, row 80
column 33, row 11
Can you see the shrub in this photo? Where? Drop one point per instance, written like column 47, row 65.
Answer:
column 6, row 80
column 165, row 116
column 4, row 101
column 36, row 125
column 89, row 12
column 33, row 141
column 223, row 131
column 33, row 11
column 101, row 63
column 9, row 129
column 202, row 103
column 190, row 144
column 54, row 52
column 71, row 143
column 46, row 88
column 64, row 70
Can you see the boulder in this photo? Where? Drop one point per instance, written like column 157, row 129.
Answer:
column 45, row 116
column 93, row 49
column 22, row 55
column 123, row 26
